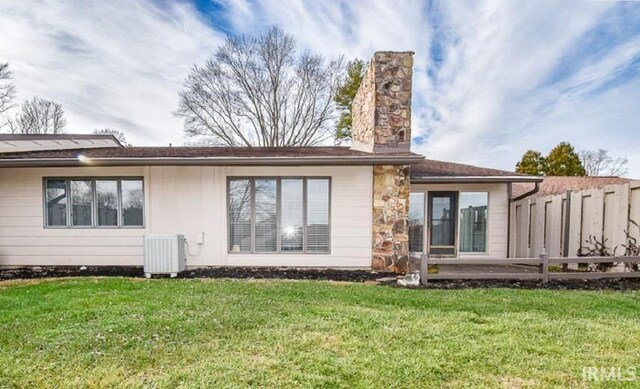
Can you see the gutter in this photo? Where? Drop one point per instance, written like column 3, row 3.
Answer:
column 487, row 179
column 535, row 190
column 221, row 161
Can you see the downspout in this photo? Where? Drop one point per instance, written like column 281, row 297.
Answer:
column 529, row 193
column 535, row 190
column 509, row 192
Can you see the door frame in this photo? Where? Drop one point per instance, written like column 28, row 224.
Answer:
column 453, row 195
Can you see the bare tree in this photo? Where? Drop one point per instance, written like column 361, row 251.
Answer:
column 38, row 116
column 7, row 89
column 258, row 91
column 119, row 135
column 599, row 163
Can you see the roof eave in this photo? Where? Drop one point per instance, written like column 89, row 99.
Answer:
column 221, row 161
column 472, row 179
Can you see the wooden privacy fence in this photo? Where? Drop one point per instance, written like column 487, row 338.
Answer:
column 500, row 267
column 560, row 224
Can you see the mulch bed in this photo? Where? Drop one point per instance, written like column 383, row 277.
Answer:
column 314, row 274
column 211, row 272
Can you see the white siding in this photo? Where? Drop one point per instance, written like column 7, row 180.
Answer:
column 497, row 236
column 179, row 199
column 25, row 241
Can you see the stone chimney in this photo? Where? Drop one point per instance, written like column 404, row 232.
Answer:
column 381, row 114
column 381, row 110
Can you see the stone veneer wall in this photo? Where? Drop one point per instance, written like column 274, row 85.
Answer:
column 382, row 107
column 382, row 124
column 390, row 218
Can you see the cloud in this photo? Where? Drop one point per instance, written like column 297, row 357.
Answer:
column 115, row 64
column 492, row 78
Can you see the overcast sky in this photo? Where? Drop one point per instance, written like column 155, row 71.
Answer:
column 492, row 78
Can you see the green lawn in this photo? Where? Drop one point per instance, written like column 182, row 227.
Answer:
column 226, row 333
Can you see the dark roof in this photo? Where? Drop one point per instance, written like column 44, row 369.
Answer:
column 205, row 155
column 440, row 171
column 561, row 184
column 37, row 137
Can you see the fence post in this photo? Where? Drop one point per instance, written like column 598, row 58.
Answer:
column 544, row 267
column 567, row 225
column 424, row 268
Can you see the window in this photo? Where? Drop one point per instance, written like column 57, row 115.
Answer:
column 273, row 215
column 56, row 199
column 416, row 222
column 132, row 196
column 240, row 200
column 292, row 218
column 473, row 221
column 94, row 202
column 107, row 201
column 317, row 215
column 81, row 209
column 266, row 227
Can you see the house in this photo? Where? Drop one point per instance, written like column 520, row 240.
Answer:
column 86, row 200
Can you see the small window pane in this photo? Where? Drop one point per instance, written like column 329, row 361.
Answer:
column 317, row 215
column 107, row 197
column 292, row 218
column 473, row 222
column 132, row 203
column 416, row 222
column 240, row 215
column 81, row 208
column 56, row 197
column 266, row 233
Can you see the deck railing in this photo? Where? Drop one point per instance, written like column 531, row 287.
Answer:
column 543, row 273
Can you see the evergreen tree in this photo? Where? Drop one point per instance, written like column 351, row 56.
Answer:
column 345, row 95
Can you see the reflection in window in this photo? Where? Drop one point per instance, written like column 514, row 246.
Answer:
column 416, row 222
column 132, row 203
column 317, row 215
column 266, row 228
column 442, row 229
column 240, row 215
column 115, row 202
column 81, row 203
column 107, row 200
column 292, row 215
column 276, row 218
column 473, row 222
column 56, row 198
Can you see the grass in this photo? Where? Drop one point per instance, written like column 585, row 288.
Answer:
column 102, row 332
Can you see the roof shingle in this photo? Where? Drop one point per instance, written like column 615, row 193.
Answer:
column 206, row 155
column 561, row 184
column 429, row 169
